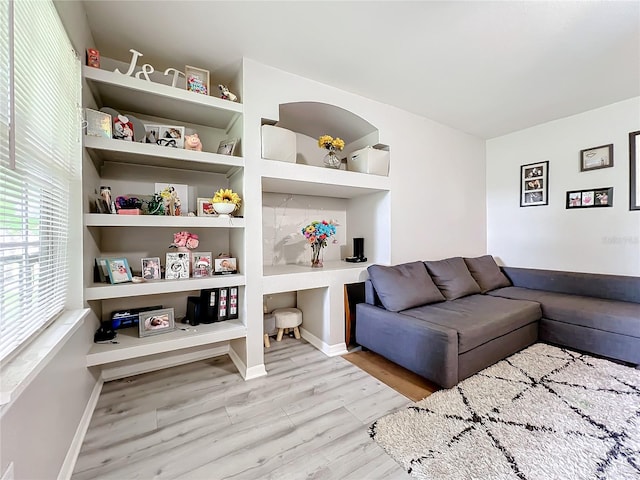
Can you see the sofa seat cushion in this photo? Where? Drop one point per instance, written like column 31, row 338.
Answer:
column 478, row 318
column 404, row 286
column 607, row 315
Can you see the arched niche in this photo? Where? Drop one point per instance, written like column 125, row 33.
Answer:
column 310, row 120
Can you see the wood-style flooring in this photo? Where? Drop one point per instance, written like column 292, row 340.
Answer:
column 307, row 419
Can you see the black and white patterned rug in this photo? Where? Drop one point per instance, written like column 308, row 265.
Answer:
column 543, row 413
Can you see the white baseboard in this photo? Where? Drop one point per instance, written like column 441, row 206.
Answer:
column 328, row 350
column 74, row 449
column 247, row 373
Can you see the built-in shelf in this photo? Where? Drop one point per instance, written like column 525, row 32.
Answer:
column 102, row 291
column 292, row 277
column 106, row 220
column 293, row 178
column 111, row 150
column 128, row 93
column 130, row 346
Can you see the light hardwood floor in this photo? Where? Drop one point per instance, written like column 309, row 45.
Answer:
column 307, row 419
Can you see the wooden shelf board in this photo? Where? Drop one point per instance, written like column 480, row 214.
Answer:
column 283, row 177
column 155, row 99
column 107, row 220
column 111, row 150
column 130, row 346
column 103, row 291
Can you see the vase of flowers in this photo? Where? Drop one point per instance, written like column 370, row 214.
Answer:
column 317, row 233
column 225, row 201
column 334, row 145
column 185, row 242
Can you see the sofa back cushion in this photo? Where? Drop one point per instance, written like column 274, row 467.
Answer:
column 487, row 273
column 404, row 286
column 452, row 277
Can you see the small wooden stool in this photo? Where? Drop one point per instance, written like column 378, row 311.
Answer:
column 287, row 318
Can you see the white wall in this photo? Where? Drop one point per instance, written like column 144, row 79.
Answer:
column 600, row 240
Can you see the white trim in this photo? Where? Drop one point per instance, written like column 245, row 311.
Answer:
column 76, row 444
column 328, row 350
column 137, row 366
column 247, row 373
column 18, row 373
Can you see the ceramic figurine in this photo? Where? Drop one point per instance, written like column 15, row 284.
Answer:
column 225, row 94
column 192, row 142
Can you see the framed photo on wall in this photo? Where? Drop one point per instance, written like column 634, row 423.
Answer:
column 634, row 170
column 534, row 187
column 591, row 198
column 596, row 157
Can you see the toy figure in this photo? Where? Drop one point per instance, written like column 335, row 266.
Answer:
column 192, row 142
column 225, row 94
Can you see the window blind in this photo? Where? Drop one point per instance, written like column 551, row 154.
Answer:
column 35, row 175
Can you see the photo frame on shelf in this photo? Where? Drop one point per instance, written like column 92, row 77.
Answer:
column 102, row 270
column 590, row 198
column 534, row 184
column 228, row 146
column 182, row 191
column 98, row 123
column 151, row 268
column 170, row 136
column 118, row 269
column 596, row 157
column 225, row 266
column 634, row 170
column 177, row 266
column 205, row 207
column 202, row 262
column 196, row 80
column 155, row 322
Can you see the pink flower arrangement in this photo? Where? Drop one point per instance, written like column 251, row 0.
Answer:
column 185, row 239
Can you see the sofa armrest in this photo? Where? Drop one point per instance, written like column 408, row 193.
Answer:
column 425, row 348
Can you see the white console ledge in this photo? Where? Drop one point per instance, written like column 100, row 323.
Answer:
column 20, row 371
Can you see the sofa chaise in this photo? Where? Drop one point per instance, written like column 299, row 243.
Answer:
column 446, row 320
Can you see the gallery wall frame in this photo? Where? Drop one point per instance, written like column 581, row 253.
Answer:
column 634, row 170
column 534, row 184
column 590, row 198
column 596, row 157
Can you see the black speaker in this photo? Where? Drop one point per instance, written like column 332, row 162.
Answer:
column 358, row 251
column 358, row 247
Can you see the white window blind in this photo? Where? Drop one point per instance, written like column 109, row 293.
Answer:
column 35, row 175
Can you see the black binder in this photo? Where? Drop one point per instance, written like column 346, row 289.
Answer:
column 209, row 305
column 233, row 303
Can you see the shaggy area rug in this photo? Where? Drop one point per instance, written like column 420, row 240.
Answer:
column 543, row 413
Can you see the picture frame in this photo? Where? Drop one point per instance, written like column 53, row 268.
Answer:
column 155, row 322
column 196, row 80
column 634, row 170
column 596, row 157
column 205, row 208
column 102, row 270
column 224, row 266
column 589, row 198
column 183, row 194
column 228, row 146
column 202, row 264
column 176, row 266
column 119, row 270
column 534, row 184
column 98, row 123
column 151, row 268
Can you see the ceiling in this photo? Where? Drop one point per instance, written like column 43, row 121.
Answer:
column 485, row 68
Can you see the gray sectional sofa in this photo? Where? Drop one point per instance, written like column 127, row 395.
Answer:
column 446, row 320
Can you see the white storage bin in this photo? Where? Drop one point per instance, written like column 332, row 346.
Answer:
column 278, row 144
column 369, row 160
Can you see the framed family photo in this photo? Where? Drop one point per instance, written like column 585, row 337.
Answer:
column 165, row 135
column 534, row 186
column 205, row 207
column 118, row 269
column 591, row 198
column 596, row 157
column 227, row 147
column 154, row 322
column 634, row 170
column 151, row 268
